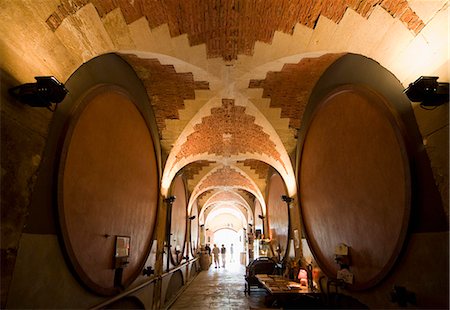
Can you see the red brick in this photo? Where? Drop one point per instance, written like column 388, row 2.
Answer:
column 166, row 88
column 226, row 132
column 229, row 28
column 290, row 88
column 191, row 170
column 260, row 168
column 226, row 176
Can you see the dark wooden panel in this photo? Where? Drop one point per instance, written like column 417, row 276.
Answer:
column 278, row 216
column 178, row 220
column 108, row 186
column 194, row 229
column 258, row 212
column 355, row 183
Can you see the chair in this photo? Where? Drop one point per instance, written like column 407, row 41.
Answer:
column 261, row 265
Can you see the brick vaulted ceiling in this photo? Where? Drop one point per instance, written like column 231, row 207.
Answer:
column 166, row 88
column 238, row 134
column 228, row 80
column 231, row 27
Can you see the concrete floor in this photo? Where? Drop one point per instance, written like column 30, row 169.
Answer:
column 221, row 288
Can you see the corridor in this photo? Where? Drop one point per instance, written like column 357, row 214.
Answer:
column 221, row 288
column 136, row 134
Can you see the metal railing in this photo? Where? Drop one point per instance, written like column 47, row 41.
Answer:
column 142, row 285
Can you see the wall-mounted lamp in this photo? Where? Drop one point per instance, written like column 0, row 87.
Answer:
column 42, row 94
column 428, row 91
column 170, row 199
column 192, row 217
column 287, row 199
column 203, row 225
column 148, row 271
column 261, row 217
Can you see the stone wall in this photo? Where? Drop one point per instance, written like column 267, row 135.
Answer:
column 23, row 137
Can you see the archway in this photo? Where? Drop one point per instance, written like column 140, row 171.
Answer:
column 229, row 237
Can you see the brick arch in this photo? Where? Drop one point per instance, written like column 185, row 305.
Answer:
column 167, row 89
column 290, row 87
column 238, row 134
column 226, row 177
column 217, row 209
column 227, row 196
column 226, row 133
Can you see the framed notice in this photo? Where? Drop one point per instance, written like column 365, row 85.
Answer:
column 122, row 246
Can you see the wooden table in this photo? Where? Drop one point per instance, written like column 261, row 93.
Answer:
column 276, row 284
column 283, row 290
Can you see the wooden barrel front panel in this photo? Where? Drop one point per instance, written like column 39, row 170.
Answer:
column 108, row 186
column 278, row 216
column 355, row 183
column 178, row 220
column 194, row 229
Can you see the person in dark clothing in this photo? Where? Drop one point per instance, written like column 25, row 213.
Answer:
column 223, row 251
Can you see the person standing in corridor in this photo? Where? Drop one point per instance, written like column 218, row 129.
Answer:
column 215, row 252
column 223, row 251
column 231, row 254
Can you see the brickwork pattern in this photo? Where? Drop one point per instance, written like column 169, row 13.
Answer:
column 226, row 132
column 249, row 197
column 194, row 168
column 224, row 196
column 290, row 88
column 203, row 197
column 227, row 177
column 231, row 27
column 166, row 88
column 260, row 167
column 225, row 203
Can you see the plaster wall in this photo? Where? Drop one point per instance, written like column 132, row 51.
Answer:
column 23, row 135
column 422, row 269
column 172, row 283
column 42, row 278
